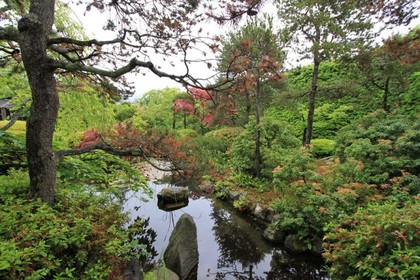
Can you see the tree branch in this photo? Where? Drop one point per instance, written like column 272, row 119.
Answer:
column 132, row 64
column 88, row 43
column 102, row 145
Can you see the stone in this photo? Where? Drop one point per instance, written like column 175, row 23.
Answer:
column 317, row 248
column 264, row 212
column 162, row 273
column 173, row 195
column 206, row 188
column 181, row 255
column 234, row 195
column 273, row 235
column 133, row 271
column 171, row 206
column 294, row 244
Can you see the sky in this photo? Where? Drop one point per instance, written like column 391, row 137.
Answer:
column 94, row 21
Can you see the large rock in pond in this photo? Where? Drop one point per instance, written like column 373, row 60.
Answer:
column 274, row 235
column 170, row 199
column 294, row 244
column 181, row 255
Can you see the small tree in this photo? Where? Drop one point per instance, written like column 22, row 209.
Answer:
column 252, row 57
column 388, row 67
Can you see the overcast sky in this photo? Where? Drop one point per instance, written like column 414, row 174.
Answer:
column 94, row 21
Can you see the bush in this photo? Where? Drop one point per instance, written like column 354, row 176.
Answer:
column 276, row 140
column 378, row 242
column 379, row 147
column 12, row 151
column 322, row 147
column 82, row 236
column 225, row 136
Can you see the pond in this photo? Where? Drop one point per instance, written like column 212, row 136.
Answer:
column 230, row 245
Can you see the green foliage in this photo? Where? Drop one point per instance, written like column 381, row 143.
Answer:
column 410, row 100
column 101, row 171
column 157, row 108
column 242, row 203
column 380, row 147
column 377, row 242
column 187, row 132
column 124, row 111
column 294, row 165
column 12, row 151
column 82, row 237
column 294, row 116
column 329, row 119
column 14, row 184
column 322, row 147
column 225, row 136
column 276, row 138
column 248, row 181
column 18, row 128
column 81, row 109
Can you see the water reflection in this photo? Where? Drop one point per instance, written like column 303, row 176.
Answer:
column 230, row 246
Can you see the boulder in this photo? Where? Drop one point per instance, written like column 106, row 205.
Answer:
column 234, row 195
column 274, row 235
column 173, row 195
column 161, row 273
column 264, row 212
column 181, row 255
column 317, row 248
column 294, row 244
column 206, row 188
column 133, row 270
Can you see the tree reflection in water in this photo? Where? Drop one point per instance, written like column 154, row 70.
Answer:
column 242, row 248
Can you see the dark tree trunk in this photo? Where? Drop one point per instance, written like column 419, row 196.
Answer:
column 248, row 107
column 311, row 104
column 44, row 109
column 174, row 120
column 385, row 96
column 257, row 159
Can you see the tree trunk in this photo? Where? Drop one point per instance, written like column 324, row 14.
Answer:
column 385, row 96
column 311, row 105
column 174, row 120
column 44, row 109
column 257, row 159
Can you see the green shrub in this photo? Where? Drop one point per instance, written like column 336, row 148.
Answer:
column 186, row 132
column 81, row 237
column 15, row 183
column 322, row 147
column 379, row 147
column 377, row 242
column 226, row 136
column 304, row 210
column 12, row 151
column 276, row 140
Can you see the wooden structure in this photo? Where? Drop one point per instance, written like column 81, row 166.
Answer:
column 5, row 107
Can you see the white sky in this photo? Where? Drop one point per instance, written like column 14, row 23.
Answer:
column 94, row 21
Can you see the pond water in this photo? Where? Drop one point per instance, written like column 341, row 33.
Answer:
column 230, row 245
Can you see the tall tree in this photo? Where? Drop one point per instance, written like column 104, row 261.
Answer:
column 322, row 30
column 48, row 49
column 389, row 66
column 252, row 56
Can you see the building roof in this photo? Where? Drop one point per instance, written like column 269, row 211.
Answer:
column 5, row 103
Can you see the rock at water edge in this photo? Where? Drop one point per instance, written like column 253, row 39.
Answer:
column 181, row 255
